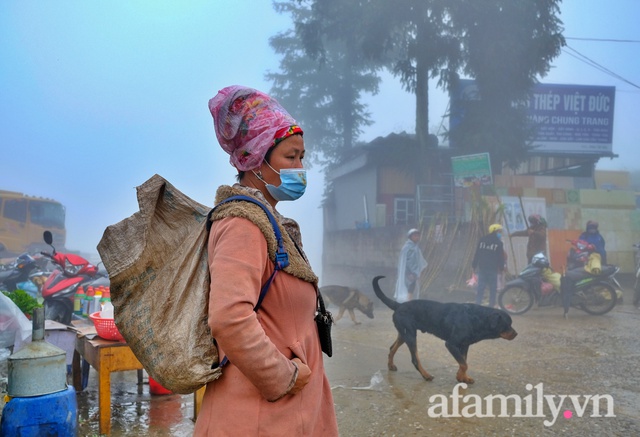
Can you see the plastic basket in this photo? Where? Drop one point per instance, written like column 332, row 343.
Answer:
column 156, row 389
column 106, row 328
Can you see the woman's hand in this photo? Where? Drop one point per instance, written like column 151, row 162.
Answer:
column 304, row 374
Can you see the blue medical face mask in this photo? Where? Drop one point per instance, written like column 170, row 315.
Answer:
column 293, row 182
column 499, row 235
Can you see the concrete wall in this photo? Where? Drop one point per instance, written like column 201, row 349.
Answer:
column 570, row 207
column 349, row 193
column 353, row 258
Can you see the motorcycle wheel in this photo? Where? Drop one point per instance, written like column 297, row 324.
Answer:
column 515, row 299
column 598, row 299
column 57, row 312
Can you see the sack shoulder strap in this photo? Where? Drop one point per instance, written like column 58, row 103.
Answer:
column 281, row 258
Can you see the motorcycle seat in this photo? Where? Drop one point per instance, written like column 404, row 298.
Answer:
column 607, row 270
column 6, row 274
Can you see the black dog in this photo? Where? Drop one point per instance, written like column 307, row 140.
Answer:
column 459, row 325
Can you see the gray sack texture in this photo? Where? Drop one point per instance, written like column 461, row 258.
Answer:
column 157, row 265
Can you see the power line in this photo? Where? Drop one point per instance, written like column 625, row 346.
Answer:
column 576, row 54
column 602, row 39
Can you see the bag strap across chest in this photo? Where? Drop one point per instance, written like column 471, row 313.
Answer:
column 281, row 257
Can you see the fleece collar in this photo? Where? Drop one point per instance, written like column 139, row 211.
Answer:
column 298, row 264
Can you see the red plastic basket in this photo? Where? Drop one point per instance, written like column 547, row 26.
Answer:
column 156, row 389
column 106, row 328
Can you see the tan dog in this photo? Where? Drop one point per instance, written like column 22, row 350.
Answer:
column 348, row 299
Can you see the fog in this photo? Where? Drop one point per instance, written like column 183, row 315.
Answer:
column 98, row 97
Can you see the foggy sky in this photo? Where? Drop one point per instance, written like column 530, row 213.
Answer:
column 96, row 97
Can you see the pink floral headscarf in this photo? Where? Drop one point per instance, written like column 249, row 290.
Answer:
column 248, row 123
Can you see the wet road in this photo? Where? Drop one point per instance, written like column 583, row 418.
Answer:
column 553, row 379
column 550, row 360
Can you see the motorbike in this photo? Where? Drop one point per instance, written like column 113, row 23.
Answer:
column 18, row 272
column 594, row 294
column 60, row 288
column 578, row 257
column 579, row 252
column 636, row 285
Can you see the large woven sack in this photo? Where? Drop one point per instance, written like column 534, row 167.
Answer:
column 594, row 264
column 157, row 265
column 552, row 278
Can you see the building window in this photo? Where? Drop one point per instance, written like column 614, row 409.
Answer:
column 404, row 210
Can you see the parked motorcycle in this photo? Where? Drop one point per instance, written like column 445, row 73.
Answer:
column 18, row 272
column 578, row 257
column 60, row 287
column 594, row 294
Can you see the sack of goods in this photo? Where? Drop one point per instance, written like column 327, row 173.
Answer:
column 552, row 278
column 594, row 264
column 157, row 264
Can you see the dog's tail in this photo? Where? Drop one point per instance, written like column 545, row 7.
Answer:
column 378, row 291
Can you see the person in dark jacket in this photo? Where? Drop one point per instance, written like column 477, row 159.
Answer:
column 537, row 233
column 592, row 235
column 571, row 277
column 488, row 261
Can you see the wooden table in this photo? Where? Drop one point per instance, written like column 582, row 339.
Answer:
column 105, row 356
column 197, row 402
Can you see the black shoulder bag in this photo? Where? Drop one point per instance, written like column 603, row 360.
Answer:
column 324, row 320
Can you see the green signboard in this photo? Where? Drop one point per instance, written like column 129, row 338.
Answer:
column 471, row 170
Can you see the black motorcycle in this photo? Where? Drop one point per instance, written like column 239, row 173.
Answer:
column 17, row 272
column 594, row 294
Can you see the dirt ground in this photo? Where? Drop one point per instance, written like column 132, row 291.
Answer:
column 547, row 381
column 551, row 357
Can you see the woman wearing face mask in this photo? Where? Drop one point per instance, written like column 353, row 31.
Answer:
column 274, row 382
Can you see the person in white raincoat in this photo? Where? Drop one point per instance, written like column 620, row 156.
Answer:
column 411, row 263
